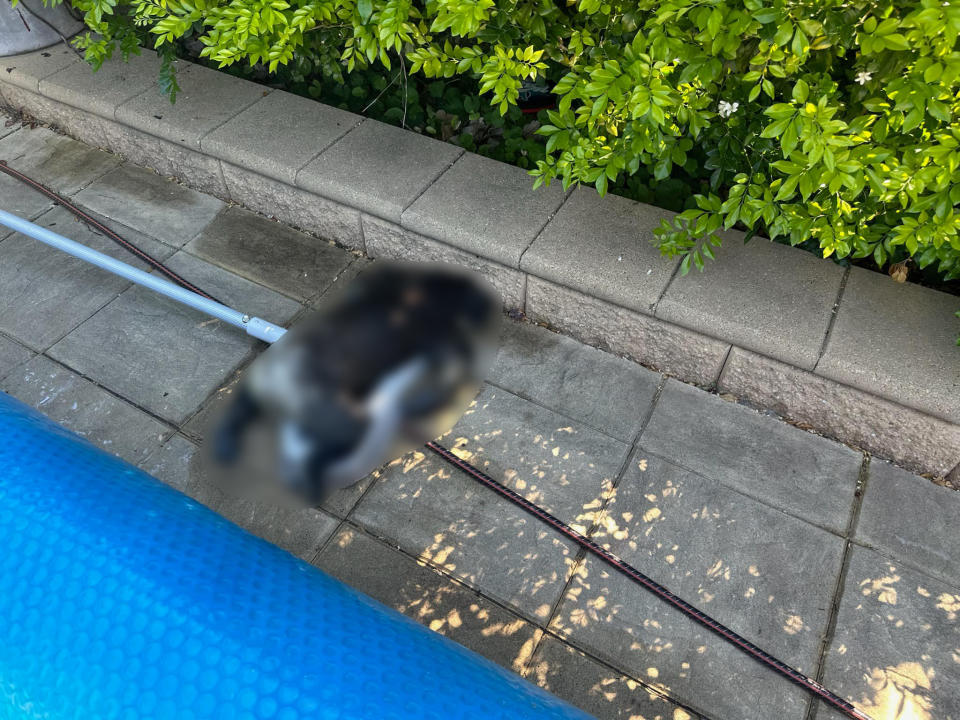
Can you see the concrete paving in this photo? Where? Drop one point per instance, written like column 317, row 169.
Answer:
column 843, row 566
column 762, row 296
column 251, row 139
column 207, row 99
column 620, row 264
column 357, row 172
column 484, row 207
column 915, row 347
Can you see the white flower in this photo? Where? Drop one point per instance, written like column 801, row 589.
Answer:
column 726, row 109
column 863, row 77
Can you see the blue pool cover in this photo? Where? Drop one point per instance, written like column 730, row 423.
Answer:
column 122, row 598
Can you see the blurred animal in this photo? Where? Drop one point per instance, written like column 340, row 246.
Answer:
column 390, row 362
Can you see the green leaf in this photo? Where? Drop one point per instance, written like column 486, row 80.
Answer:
column 896, row 41
column 365, row 8
column 932, row 73
column 766, row 15
column 715, row 21
column 801, row 91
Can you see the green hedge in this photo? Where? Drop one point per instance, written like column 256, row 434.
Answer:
column 829, row 122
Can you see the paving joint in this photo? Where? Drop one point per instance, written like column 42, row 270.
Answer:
column 606, row 496
column 537, row 624
column 243, row 109
column 738, row 491
column 524, row 396
column 831, row 629
column 566, row 196
column 833, row 318
column 663, row 293
column 933, row 575
column 420, row 194
column 723, row 366
column 171, row 428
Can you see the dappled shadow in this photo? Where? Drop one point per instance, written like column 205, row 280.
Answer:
column 751, row 567
column 441, row 515
column 896, row 651
column 596, row 688
column 437, row 513
column 419, row 592
column 564, row 467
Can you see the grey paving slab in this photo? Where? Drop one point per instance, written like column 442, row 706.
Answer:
column 270, row 253
column 172, row 464
column 897, row 341
column 25, row 71
column 440, row 515
column 603, row 246
column 169, row 159
column 586, row 384
column 625, row 626
column 295, row 207
column 484, row 207
column 251, row 140
column 207, row 99
column 102, row 91
column 20, row 199
column 911, row 519
column 386, row 240
column 161, row 355
column 7, row 124
column 196, row 427
column 44, row 293
column 674, row 350
column 768, row 576
column 59, row 162
column 12, row 354
column 916, row 440
column 233, row 290
column 896, row 651
column 762, row 456
column 561, row 465
column 595, row 688
column 378, row 168
column 767, row 297
column 428, row 597
column 359, row 265
column 301, row 531
column 151, row 204
column 84, row 408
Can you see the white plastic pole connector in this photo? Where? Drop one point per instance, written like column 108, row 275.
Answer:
column 254, row 326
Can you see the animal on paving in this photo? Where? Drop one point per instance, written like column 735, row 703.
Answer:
column 386, row 364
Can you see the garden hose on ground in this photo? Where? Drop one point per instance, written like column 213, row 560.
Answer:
column 99, row 227
column 698, row 616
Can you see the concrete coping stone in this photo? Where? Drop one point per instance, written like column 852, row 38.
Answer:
column 852, row 327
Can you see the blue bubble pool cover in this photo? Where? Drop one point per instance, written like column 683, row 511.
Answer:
column 123, row 598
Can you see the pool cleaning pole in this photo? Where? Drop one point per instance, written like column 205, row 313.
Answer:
column 254, row 326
